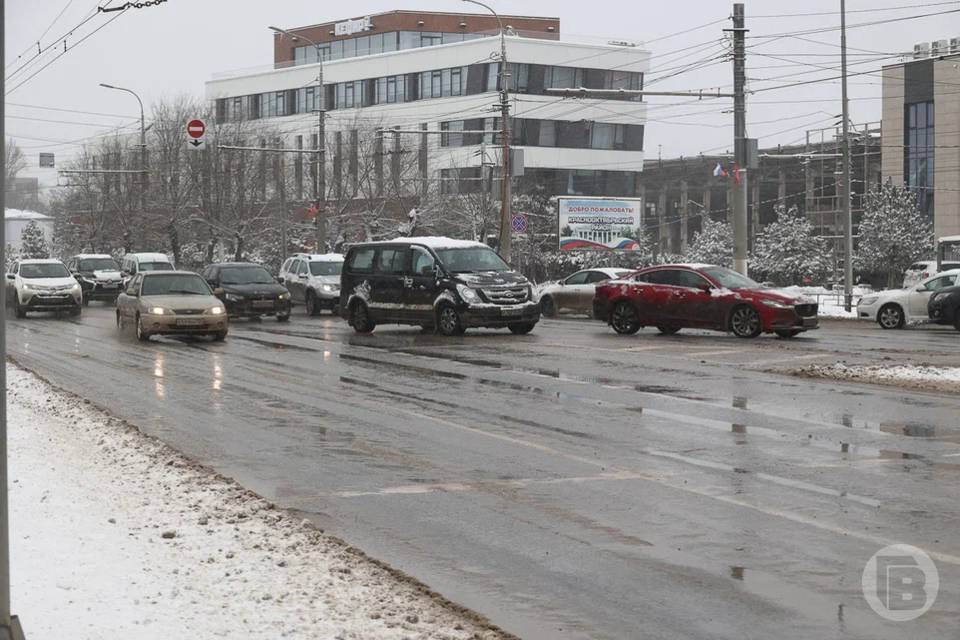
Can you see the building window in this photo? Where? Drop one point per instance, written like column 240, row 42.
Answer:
column 918, row 159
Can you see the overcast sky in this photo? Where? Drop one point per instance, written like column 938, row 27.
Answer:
column 174, row 47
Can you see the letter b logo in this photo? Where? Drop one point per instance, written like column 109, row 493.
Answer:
column 900, row 582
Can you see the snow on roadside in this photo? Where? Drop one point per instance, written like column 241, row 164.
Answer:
column 925, row 377
column 114, row 536
column 831, row 303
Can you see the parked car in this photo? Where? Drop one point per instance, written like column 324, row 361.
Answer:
column 99, row 276
column 944, row 305
column 42, row 285
column 313, row 280
column 171, row 302
column 677, row 296
column 440, row 283
column 134, row 263
column 248, row 290
column 897, row 307
column 575, row 293
column 924, row 269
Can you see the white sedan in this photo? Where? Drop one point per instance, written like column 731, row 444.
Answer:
column 575, row 293
column 897, row 307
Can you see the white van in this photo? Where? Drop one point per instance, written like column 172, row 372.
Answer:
column 134, row 263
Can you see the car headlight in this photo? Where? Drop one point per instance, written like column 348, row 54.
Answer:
column 468, row 294
column 28, row 289
column 232, row 297
column 158, row 311
column 282, row 296
column 531, row 293
column 774, row 304
column 76, row 288
column 216, row 311
column 868, row 300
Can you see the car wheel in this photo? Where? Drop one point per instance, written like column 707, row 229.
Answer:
column 18, row 311
column 890, row 316
column 313, row 308
column 284, row 317
column 360, row 318
column 521, row 328
column 448, row 321
column 745, row 322
column 667, row 330
column 624, row 318
column 956, row 319
column 788, row 333
column 142, row 334
column 220, row 336
column 547, row 307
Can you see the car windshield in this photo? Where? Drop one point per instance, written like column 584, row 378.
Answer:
column 44, row 270
column 326, row 268
column 466, row 260
column 730, row 279
column 175, row 284
column 155, row 266
column 97, row 264
column 245, row 275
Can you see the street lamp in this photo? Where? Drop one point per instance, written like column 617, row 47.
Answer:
column 143, row 144
column 505, row 216
column 319, row 183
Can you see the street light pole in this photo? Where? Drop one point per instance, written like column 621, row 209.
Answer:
column 143, row 145
column 319, row 223
column 847, row 214
column 505, row 187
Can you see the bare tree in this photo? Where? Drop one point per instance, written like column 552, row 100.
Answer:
column 13, row 160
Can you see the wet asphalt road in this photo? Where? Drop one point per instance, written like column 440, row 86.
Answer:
column 571, row 483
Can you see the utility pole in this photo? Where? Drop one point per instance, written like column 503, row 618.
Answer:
column 320, row 183
column 847, row 214
column 143, row 145
column 505, row 186
column 740, row 140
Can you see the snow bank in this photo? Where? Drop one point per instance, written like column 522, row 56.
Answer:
column 440, row 242
column 831, row 302
column 116, row 536
column 926, row 377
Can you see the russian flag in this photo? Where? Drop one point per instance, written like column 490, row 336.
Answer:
column 719, row 171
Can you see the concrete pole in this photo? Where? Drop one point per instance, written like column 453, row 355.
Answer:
column 847, row 215
column 684, row 215
column 740, row 146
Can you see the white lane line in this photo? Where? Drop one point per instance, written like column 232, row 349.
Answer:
column 758, row 363
column 453, row 487
column 880, row 541
column 718, row 352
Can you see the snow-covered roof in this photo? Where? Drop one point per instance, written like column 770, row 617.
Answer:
column 320, row 257
column 613, row 271
column 24, row 214
column 92, row 256
column 149, row 256
column 950, row 239
column 40, row 261
column 441, row 242
column 687, row 265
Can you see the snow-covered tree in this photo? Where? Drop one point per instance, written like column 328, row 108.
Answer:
column 893, row 232
column 713, row 244
column 32, row 242
column 788, row 252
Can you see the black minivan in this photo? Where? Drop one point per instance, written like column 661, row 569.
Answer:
column 434, row 282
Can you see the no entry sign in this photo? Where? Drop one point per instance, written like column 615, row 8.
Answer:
column 196, row 128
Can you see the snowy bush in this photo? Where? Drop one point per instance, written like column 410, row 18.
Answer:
column 893, row 232
column 713, row 244
column 787, row 251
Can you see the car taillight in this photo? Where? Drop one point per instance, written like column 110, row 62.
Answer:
column 925, row 275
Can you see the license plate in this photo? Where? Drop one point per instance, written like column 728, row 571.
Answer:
column 263, row 304
column 189, row 322
column 511, row 311
column 809, row 322
column 108, row 286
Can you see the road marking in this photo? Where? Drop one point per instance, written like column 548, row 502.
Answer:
column 880, row 541
column 700, row 354
column 759, row 363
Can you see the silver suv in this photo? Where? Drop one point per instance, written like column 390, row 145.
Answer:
column 313, row 280
column 43, row 285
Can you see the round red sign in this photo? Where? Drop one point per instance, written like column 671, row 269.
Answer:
column 196, row 128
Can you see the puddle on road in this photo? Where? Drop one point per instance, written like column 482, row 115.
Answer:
column 909, row 429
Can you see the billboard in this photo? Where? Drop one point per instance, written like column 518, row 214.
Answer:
column 607, row 224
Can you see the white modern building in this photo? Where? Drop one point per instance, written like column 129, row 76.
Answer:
column 440, row 72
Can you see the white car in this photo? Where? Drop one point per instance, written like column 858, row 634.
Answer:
column 575, row 293
column 313, row 280
column 43, row 285
column 897, row 307
column 924, row 269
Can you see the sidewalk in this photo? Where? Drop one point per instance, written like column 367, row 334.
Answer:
column 116, row 536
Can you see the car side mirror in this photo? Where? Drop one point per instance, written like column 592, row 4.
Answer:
column 706, row 288
column 218, row 291
column 11, row 276
column 920, row 289
column 279, row 280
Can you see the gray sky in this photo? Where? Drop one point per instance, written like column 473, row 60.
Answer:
column 174, row 47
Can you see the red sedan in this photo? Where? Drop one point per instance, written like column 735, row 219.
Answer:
column 676, row 296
